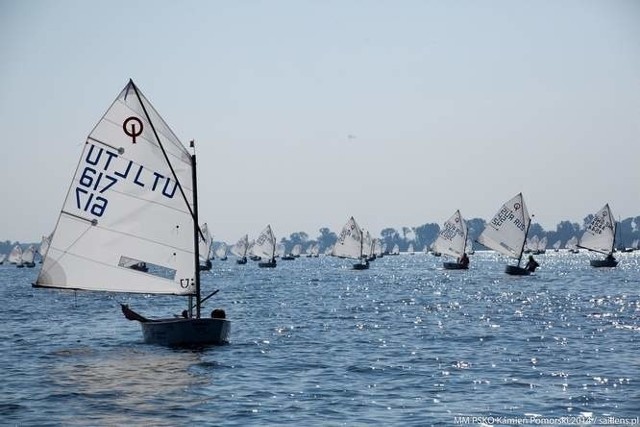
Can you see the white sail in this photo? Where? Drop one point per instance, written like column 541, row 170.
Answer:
column 366, row 244
column 410, row 248
column 205, row 242
column 296, row 250
column 542, row 244
column 556, row 245
column 2, row 258
column 125, row 202
column 395, row 250
column 315, row 250
column 600, row 233
column 265, row 245
column 221, row 251
column 506, row 233
column 44, row 246
column 452, row 237
column 349, row 243
column 15, row 256
column 377, row 247
column 572, row 244
column 280, row 249
column 241, row 247
column 29, row 255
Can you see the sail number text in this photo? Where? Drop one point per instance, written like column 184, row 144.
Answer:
column 102, row 169
column 507, row 214
column 450, row 231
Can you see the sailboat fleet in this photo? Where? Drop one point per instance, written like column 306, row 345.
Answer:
column 129, row 224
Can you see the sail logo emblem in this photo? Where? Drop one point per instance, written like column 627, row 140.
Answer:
column 516, row 206
column 133, row 132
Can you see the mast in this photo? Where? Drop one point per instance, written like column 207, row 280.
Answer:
column 524, row 242
column 196, row 229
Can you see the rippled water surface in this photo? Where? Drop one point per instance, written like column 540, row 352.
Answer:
column 404, row 343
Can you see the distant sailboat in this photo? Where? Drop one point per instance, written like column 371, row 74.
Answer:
column 556, row 245
column 600, row 237
column 572, row 245
column 15, row 256
column 265, row 248
column 221, row 251
column 507, row 233
column 452, row 241
column 350, row 245
column 134, row 197
column 410, row 249
column 2, row 258
column 44, row 246
column 395, row 250
column 205, row 242
column 240, row 249
column 29, row 256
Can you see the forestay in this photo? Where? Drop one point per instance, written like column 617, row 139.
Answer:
column 124, row 203
column 600, row 233
column 452, row 237
column 349, row 243
column 506, row 233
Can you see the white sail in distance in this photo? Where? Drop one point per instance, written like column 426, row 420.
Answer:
column 221, row 251
column 452, row 237
column 265, row 245
column 349, row 243
column 506, row 232
column 44, row 246
column 15, row 256
column 130, row 198
column 600, row 233
column 205, row 241
column 241, row 247
column 29, row 255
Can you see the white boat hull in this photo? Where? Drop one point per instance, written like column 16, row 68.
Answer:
column 186, row 332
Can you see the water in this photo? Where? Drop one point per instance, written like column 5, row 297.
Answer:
column 404, row 343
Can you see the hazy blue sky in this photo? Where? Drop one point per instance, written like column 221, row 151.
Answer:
column 395, row 112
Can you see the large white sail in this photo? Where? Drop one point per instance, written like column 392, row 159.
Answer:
column 241, row 247
column 506, row 233
column 265, row 245
column 15, row 256
column 452, row 237
column 205, row 241
column 600, row 233
column 124, row 203
column 349, row 243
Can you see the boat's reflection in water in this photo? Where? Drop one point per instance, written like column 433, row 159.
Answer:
column 147, row 385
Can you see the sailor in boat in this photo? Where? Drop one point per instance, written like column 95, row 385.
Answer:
column 532, row 264
column 464, row 260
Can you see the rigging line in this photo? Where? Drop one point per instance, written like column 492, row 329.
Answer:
column 166, row 157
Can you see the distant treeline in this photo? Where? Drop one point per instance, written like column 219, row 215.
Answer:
column 421, row 237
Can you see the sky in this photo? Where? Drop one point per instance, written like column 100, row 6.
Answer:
column 308, row 112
